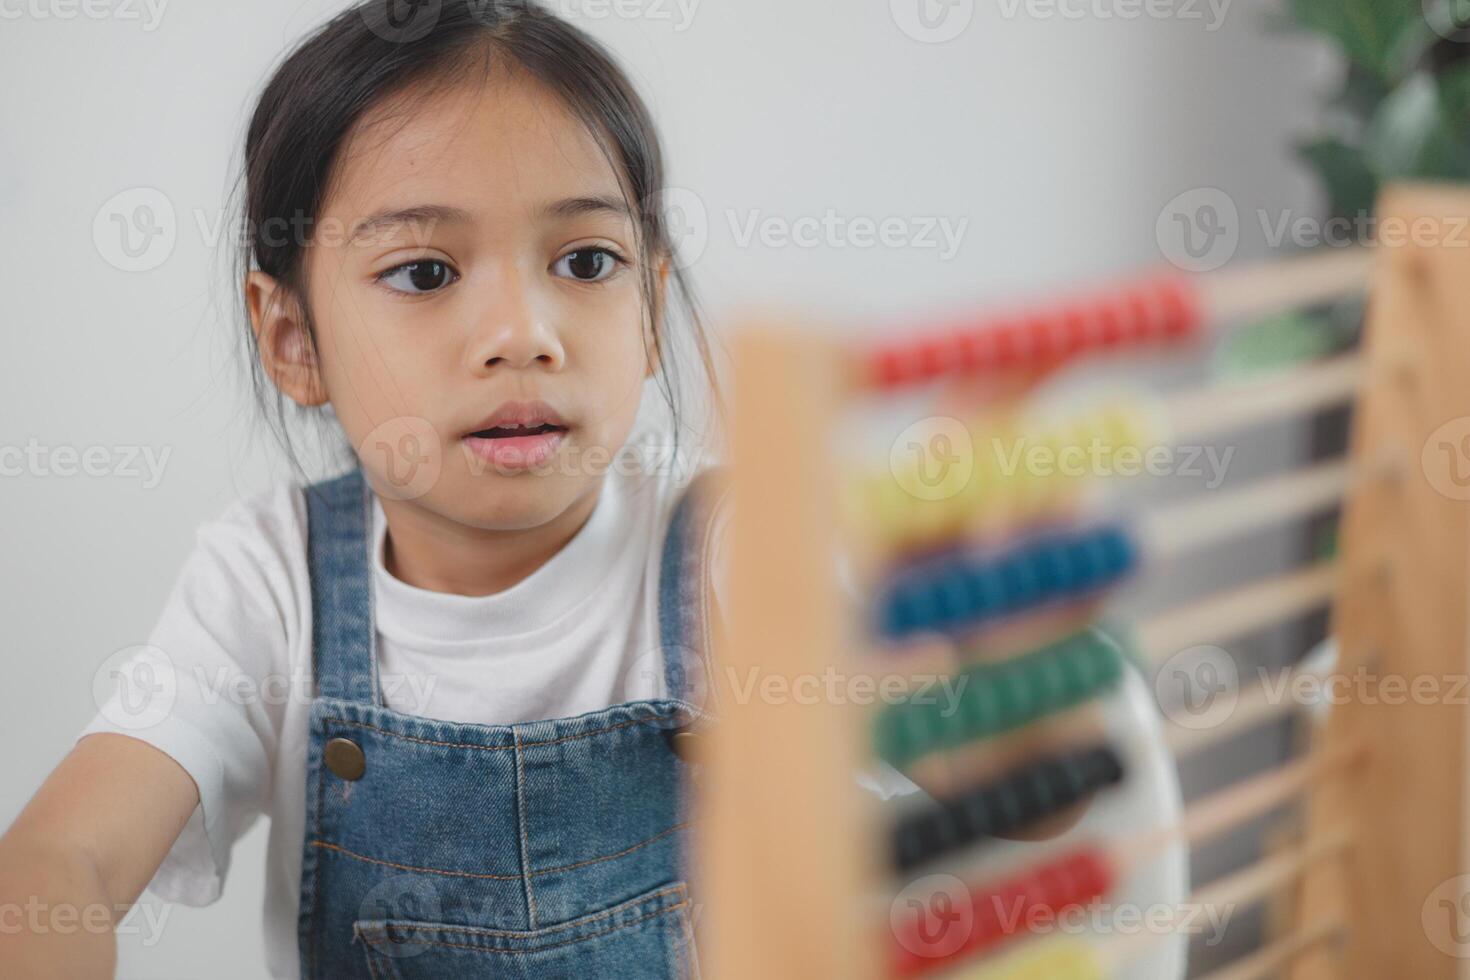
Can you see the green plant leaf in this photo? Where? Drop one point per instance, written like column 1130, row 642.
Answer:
column 1351, row 187
column 1361, row 93
column 1368, row 31
column 1454, row 94
column 1412, row 135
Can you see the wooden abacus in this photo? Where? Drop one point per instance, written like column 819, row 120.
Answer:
column 788, row 860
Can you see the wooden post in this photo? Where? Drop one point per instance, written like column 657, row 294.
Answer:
column 784, row 842
column 1400, row 617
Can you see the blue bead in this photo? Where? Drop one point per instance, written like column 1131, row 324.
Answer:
column 1018, row 579
column 1088, row 564
column 1053, row 567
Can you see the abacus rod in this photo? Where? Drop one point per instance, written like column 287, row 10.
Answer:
column 1236, row 612
column 1271, row 287
column 1209, row 411
column 1254, row 707
column 1265, row 877
column 1197, row 523
column 1246, row 887
column 1230, row 807
column 1265, row 962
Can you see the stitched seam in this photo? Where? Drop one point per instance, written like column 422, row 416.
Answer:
column 608, row 857
column 409, row 867
column 691, row 957
column 521, row 819
column 508, row 934
column 372, row 614
column 372, row 963
column 565, row 942
column 473, row 874
column 501, row 748
column 705, row 587
column 316, row 883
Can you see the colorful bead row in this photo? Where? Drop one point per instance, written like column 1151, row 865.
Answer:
column 1000, row 697
column 1014, row 801
column 965, row 590
column 1155, row 311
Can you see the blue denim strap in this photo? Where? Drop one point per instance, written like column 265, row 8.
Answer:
column 686, row 617
column 339, row 523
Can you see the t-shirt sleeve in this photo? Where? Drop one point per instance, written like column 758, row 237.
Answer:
column 210, row 686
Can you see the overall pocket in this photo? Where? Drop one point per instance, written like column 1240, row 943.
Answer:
column 649, row 937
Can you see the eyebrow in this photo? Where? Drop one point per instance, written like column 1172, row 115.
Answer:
column 389, row 217
column 571, row 207
column 574, row 207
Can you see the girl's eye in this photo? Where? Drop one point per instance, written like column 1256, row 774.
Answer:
column 424, row 276
column 588, row 264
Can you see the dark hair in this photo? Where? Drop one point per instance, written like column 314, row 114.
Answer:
column 369, row 53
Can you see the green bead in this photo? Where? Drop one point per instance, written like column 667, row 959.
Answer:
column 999, row 698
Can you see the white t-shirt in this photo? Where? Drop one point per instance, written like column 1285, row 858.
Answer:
column 224, row 686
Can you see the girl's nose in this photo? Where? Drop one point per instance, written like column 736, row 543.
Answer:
column 515, row 332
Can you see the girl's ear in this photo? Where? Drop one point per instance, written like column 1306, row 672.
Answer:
column 283, row 341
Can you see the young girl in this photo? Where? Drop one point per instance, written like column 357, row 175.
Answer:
column 459, row 679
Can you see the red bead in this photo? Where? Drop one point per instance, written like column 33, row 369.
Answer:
column 1074, row 879
column 1076, row 336
column 1041, row 338
column 933, row 357
column 974, row 350
column 1183, row 315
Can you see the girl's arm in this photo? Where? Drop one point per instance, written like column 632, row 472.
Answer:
column 82, row 851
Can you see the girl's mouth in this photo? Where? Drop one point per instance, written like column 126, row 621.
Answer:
column 511, row 431
column 516, row 447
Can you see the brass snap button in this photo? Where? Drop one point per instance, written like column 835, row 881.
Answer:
column 688, row 745
column 345, row 759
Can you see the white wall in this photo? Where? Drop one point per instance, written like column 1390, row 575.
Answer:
column 1058, row 140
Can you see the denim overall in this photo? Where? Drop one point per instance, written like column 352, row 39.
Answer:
column 454, row 851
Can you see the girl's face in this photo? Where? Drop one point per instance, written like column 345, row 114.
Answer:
column 473, row 269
